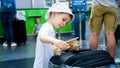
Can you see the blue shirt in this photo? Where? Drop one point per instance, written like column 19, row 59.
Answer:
column 37, row 27
column 13, row 2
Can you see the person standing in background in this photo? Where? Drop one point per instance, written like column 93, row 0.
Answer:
column 8, row 14
column 36, row 26
column 104, row 12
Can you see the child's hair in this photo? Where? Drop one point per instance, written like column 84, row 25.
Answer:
column 59, row 7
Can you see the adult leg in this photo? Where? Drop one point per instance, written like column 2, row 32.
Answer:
column 111, row 43
column 95, row 25
column 10, row 27
column 94, row 40
column 11, row 18
column 110, row 20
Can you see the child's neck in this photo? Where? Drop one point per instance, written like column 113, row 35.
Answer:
column 50, row 21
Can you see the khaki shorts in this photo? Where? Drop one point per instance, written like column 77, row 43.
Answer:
column 103, row 15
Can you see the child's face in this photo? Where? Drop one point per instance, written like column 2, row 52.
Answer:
column 37, row 20
column 61, row 19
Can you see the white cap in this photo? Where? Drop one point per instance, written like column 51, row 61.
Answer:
column 59, row 7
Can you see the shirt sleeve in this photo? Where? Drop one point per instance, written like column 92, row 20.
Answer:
column 47, row 30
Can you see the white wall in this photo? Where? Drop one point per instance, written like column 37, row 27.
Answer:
column 31, row 3
column 23, row 4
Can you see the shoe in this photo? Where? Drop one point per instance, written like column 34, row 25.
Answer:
column 13, row 44
column 5, row 44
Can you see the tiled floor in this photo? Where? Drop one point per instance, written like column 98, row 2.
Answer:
column 21, row 56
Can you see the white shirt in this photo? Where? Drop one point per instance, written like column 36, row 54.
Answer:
column 44, row 51
column 109, row 3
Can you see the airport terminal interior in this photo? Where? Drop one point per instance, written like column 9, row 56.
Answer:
column 23, row 55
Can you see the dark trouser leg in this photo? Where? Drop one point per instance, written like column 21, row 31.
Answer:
column 5, row 27
column 10, row 27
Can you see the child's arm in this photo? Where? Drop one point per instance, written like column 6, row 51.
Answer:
column 33, row 30
column 59, row 43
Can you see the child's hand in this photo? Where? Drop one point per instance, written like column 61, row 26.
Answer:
column 61, row 44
